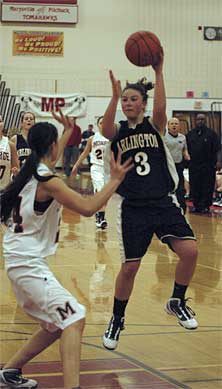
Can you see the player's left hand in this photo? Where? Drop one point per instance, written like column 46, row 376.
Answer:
column 14, row 171
column 118, row 169
column 158, row 66
column 63, row 119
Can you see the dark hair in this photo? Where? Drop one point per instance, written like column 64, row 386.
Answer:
column 40, row 138
column 141, row 86
column 24, row 113
column 99, row 118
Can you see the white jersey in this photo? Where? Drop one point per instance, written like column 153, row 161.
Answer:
column 32, row 234
column 176, row 145
column 5, row 162
column 99, row 143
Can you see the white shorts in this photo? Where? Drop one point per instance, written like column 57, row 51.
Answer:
column 97, row 175
column 41, row 296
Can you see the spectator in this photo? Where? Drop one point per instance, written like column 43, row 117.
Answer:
column 203, row 146
column 71, row 151
column 85, row 136
column 177, row 145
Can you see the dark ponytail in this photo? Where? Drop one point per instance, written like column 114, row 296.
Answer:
column 40, row 138
column 98, row 120
column 142, row 86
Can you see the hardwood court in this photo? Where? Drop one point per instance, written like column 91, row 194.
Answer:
column 154, row 351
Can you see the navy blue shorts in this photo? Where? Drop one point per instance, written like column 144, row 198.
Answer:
column 137, row 225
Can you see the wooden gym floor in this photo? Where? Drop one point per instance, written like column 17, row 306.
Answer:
column 154, row 351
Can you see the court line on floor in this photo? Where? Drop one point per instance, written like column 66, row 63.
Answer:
column 128, row 325
column 141, row 365
column 187, row 367
column 205, row 380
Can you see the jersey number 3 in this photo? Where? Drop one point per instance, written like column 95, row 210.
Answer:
column 143, row 167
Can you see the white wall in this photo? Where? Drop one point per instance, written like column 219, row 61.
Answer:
column 96, row 44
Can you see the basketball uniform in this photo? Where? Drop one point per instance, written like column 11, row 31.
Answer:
column 148, row 204
column 177, row 144
column 5, row 162
column 99, row 143
column 23, row 149
column 31, row 236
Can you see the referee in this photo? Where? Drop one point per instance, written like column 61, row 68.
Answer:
column 176, row 143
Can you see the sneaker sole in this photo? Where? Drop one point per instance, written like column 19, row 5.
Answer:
column 102, row 227
column 186, row 328
column 113, row 348
column 109, row 348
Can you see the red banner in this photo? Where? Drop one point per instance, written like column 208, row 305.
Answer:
column 38, row 43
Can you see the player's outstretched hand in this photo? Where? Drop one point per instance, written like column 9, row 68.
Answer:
column 14, row 171
column 158, row 67
column 118, row 170
column 63, row 119
column 116, row 85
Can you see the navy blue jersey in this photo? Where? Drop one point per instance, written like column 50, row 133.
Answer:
column 150, row 180
column 23, row 149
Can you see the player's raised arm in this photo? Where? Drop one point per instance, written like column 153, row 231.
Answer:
column 82, row 156
column 87, row 206
column 67, row 124
column 108, row 125
column 159, row 100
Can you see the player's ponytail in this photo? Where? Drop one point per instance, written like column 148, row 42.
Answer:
column 40, row 138
column 11, row 192
column 142, row 86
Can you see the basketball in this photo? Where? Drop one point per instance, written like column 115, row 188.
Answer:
column 143, row 48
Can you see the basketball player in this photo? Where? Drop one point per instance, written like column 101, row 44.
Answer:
column 9, row 163
column 147, row 201
column 35, row 197
column 95, row 146
column 20, row 140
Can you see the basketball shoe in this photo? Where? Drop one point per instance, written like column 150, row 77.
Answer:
column 101, row 222
column 12, row 378
column 184, row 314
column 111, row 335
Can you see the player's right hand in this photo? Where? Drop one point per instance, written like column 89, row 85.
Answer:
column 118, row 170
column 116, row 85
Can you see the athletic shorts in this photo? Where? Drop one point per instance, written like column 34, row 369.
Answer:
column 41, row 295
column 137, row 225
column 97, row 176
